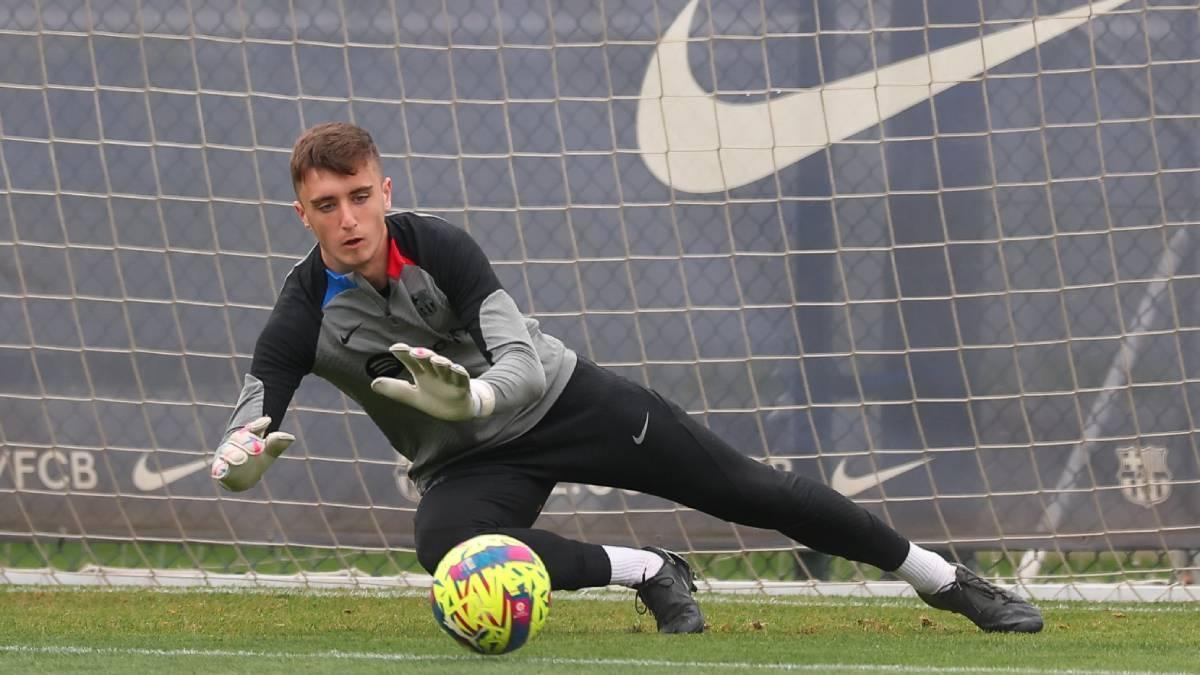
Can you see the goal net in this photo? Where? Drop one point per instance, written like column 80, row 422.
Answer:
column 942, row 256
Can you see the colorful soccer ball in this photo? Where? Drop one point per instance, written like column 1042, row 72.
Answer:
column 491, row 593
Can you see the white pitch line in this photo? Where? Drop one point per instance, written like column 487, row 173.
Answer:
column 557, row 661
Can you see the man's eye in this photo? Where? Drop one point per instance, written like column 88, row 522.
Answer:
column 325, row 208
column 361, row 198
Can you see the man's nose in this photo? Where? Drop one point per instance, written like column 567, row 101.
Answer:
column 346, row 216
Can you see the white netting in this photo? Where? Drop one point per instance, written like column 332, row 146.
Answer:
column 936, row 254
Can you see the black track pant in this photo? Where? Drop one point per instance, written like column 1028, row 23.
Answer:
column 588, row 437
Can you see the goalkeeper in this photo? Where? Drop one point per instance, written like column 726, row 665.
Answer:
column 404, row 314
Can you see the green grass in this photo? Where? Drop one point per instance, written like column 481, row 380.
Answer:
column 98, row 631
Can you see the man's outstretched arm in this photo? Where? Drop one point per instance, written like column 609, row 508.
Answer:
column 283, row 355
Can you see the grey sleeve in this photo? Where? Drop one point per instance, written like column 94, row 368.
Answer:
column 284, row 353
column 248, row 408
column 516, row 373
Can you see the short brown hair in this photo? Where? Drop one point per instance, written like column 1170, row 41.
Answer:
column 334, row 146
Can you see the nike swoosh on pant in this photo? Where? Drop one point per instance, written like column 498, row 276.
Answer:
column 146, row 480
column 851, row 485
column 637, row 440
column 696, row 143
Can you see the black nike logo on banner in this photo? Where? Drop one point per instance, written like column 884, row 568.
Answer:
column 346, row 337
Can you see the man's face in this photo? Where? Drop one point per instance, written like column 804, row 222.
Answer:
column 346, row 213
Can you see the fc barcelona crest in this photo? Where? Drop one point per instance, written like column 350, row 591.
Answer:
column 424, row 302
column 1143, row 474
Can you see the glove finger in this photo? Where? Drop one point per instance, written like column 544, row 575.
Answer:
column 402, row 352
column 397, row 390
column 441, row 366
column 277, row 442
column 281, row 437
column 406, row 355
column 258, row 426
column 423, row 358
column 457, row 375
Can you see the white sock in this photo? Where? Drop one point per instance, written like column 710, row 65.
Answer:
column 632, row 566
column 925, row 571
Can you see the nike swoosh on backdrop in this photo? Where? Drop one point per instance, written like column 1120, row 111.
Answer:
column 146, row 480
column 851, row 485
column 694, row 142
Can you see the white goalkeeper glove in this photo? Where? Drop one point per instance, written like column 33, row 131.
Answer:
column 440, row 388
column 244, row 457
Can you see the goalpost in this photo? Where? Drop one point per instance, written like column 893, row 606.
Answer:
column 942, row 256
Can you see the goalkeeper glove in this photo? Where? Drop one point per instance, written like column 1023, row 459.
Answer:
column 440, row 387
column 244, row 457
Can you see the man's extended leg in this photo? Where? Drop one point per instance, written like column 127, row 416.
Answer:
column 609, row 431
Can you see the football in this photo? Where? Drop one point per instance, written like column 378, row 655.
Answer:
column 491, row 593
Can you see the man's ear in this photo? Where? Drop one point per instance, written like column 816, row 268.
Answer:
column 300, row 212
column 387, row 194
